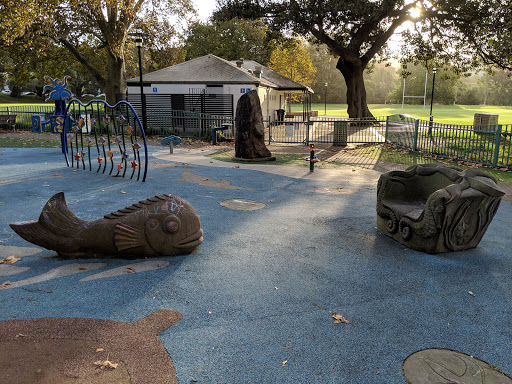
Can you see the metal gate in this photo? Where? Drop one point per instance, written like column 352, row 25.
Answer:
column 326, row 130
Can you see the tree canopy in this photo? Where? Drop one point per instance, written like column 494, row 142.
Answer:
column 356, row 31
column 291, row 59
column 85, row 28
column 231, row 39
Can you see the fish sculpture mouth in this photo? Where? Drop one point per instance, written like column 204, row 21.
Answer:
column 192, row 241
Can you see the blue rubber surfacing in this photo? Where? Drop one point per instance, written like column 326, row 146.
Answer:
column 257, row 295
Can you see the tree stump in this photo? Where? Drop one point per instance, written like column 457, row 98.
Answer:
column 250, row 131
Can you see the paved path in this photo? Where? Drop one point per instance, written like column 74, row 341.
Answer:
column 257, row 297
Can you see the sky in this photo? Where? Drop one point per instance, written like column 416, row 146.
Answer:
column 204, row 8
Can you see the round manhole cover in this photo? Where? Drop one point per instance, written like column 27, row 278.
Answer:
column 445, row 366
column 242, row 204
column 337, row 190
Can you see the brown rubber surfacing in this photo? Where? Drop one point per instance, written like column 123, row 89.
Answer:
column 64, row 350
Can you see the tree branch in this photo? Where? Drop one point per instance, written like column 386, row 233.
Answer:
column 382, row 38
column 83, row 60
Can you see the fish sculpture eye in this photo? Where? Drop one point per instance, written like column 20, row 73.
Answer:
column 171, row 224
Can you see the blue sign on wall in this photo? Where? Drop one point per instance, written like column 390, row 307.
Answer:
column 155, row 89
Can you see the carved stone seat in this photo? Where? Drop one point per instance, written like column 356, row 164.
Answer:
column 434, row 208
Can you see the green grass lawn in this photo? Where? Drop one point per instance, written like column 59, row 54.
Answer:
column 447, row 114
column 44, row 140
column 390, row 154
column 8, row 101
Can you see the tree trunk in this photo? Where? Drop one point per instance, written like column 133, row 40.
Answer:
column 352, row 72
column 115, row 84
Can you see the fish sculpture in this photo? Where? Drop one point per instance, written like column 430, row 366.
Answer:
column 164, row 225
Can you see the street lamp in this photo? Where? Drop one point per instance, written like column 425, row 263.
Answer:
column 434, row 70
column 325, row 99
column 138, row 44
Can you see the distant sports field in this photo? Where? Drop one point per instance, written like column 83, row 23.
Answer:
column 448, row 114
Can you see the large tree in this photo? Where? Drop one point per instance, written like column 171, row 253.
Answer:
column 356, row 31
column 86, row 27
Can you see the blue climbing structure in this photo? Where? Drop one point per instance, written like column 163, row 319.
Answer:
column 109, row 136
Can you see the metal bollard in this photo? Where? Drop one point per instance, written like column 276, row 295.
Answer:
column 311, row 158
column 171, row 147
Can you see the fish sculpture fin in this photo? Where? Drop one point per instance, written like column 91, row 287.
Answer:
column 136, row 207
column 55, row 227
column 126, row 237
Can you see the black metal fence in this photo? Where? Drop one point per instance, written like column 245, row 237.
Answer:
column 161, row 121
column 325, row 130
column 24, row 114
column 483, row 144
column 188, row 115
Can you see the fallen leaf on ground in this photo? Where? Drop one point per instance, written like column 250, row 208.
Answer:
column 130, row 270
column 284, row 362
column 20, row 335
column 107, row 364
column 271, row 201
column 10, row 259
column 100, row 350
column 237, row 166
column 4, row 285
column 339, row 318
column 123, row 191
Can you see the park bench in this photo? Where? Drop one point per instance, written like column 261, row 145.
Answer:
column 8, row 120
column 434, row 208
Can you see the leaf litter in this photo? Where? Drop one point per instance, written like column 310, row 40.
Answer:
column 338, row 318
column 105, row 364
column 10, row 259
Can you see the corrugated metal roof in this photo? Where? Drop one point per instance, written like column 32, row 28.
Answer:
column 211, row 69
column 205, row 69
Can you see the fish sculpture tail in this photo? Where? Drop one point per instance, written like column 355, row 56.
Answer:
column 55, row 228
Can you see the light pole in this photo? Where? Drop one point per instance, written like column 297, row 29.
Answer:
column 138, row 44
column 434, row 70
column 325, row 99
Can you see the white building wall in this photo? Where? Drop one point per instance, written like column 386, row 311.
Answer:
column 270, row 98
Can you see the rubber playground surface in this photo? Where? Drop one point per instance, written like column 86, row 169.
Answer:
column 292, row 283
